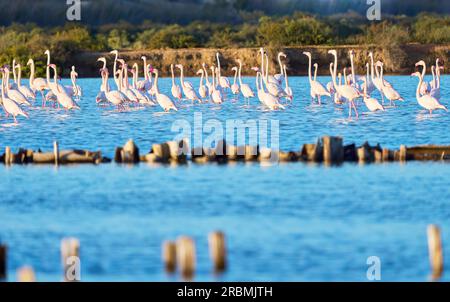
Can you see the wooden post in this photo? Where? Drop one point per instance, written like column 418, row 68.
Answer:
column 70, row 247
column 26, row 274
column 3, row 257
column 186, row 256
column 56, row 152
column 435, row 251
column 217, row 250
column 402, row 155
column 333, row 150
column 169, row 256
column 8, row 156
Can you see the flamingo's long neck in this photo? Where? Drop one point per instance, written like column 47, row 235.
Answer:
column 14, row 71
column 315, row 72
column 262, row 61
column 125, row 67
column 218, row 66
column 285, row 76
column 105, row 80
column 353, row 68
column 31, row 73
column 309, row 68
column 438, row 75
column 201, row 78
column 145, row 68
column 55, row 78
column 235, row 76
column 115, row 71
column 267, row 69
column 418, row 87
column 3, row 85
column 213, row 79
column 257, row 80
column 182, row 76
column 206, row 76
column 19, row 75
column 261, row 83
column 156, row 81
column 72, row 78
column 240, row 68
column 434, row 77
column 281, row 65
column 173, row 76
column 424, row 71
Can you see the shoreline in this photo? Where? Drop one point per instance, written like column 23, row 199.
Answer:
column 398, row 60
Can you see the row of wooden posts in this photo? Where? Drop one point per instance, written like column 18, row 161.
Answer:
column 179, row 254
column 182, row 254
column 327, row 149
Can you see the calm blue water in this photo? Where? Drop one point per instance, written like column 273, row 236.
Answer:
column 283, row 222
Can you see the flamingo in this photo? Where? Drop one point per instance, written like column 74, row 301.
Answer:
column 114, row 97
column 279, row 77
column 26, row 91
column 222, row 81
column 288, row 89
column 208, row 83
column 436, row 90
column 235, row 86
column 105, row 85
column 126, row 84
column 75, row 89
column 317, row 89
column 163, row 100
column 346, row 91
column 371, row 103
column 37, row 84
column 273, row 88
column 368, row 84
column 389, row 92
column 142, row 97
column 176, row 91
column 376, row 80
column 188, row 91
column 9, row 105
column 202, row 90
column 14, row 94
column 216, row 95
column 264, row 97
column 61, row 94
column 116, row 56
column 426, row 101
column 146, row 84
column 246, row 91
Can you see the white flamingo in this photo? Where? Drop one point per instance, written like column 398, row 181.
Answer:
column 202, row 90
column 36, row 84
column 163, row 100
column 105, row 85
column 280, row 76
column 15, row 94
column 272, row 87
column 287, row 89
column 223, row 82
column 175, row 90
column 235, row 85
column 436, row 89
column 208, row 83
column 427, row 101
column 188, row 91
column 146, row 84
column 113, row 96
column 142, row 97
column 25, row 90
column 61, row 94
column 246, row 91
column 126, row 84
column 371, row 103
column 317, row 89
column 216, row 95
column 264, row 97
column 10, row 107
column 346, row 91
column 389, row 92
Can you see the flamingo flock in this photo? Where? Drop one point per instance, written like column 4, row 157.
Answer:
column 272, row 91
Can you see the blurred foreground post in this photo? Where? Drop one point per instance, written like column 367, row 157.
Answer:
column 169, row 256
column 56, row 152
column 26, row 274
column 435, row 251
column 217, row 250
column 185, row 252
column 3, row 250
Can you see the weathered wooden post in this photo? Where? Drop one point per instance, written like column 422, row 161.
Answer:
column 26, row 274
column 130, row 152
column 435, row 251
column 70, row 257
column 402, row 154
column 185, row 251
column 3, row 258
column 217, row 250
column 333, row 150
column 8, row 156
column 56, row 152
column 169, row 256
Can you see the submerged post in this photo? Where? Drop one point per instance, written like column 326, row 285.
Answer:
column 56, row 152
column 26, row 274
column 169, row 256
column 3, row 255
column 8, row 156
column 435, row 251
column 186, row 256
column 217, row 250
column 333, row 149
column 70, row 257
